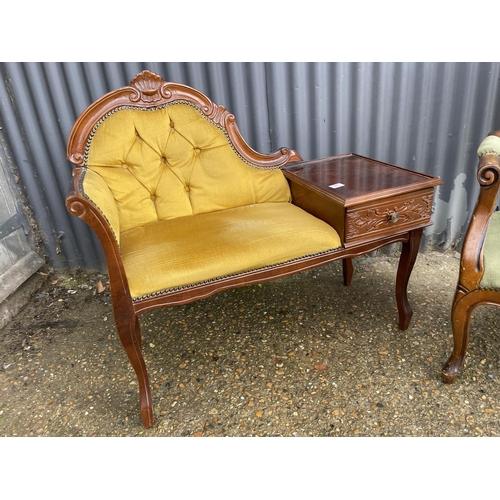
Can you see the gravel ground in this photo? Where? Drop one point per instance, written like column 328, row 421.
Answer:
column 301, row 356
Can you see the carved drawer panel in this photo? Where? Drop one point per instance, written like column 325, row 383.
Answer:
column 400, row 212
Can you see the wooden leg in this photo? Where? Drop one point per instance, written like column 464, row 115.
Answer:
column 130, row 336
column 460, row 320
column 406, row 262
column 138, row 333
column 347, row 269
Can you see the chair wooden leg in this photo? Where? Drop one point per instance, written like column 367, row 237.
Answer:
column 130, row 336
column 406, row 262
column 347, row 270
column 460, row 321
column 138, row 332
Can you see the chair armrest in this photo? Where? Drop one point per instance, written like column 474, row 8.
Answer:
column 488, row 176
column 90, row 199
column 490, row 144
column 89, row 186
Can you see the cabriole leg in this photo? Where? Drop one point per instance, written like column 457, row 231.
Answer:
column 130, row 336
column 460, row 320
column 409, row 254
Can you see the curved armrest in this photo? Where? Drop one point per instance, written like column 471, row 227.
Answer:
column 488, row 176
column 91, row 186
column 90, row 199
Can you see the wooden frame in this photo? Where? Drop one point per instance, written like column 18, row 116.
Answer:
column 148, row 90
column 468, row 294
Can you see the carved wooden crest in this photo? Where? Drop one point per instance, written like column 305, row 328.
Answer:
column 149, row 90
column 150, row 87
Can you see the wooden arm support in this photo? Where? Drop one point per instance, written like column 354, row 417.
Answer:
column 488, row 176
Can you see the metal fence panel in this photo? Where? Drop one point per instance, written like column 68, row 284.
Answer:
column 429, row 117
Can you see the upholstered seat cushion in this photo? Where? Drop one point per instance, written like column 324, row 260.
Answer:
column 187, row 250
column 491, row 255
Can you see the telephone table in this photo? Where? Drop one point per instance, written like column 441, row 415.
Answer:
column 370, row 204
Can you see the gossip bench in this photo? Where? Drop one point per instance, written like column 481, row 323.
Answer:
column 184, row 207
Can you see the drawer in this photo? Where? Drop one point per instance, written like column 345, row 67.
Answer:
column 402, row 212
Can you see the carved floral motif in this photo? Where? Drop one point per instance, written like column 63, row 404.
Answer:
column 372, row 219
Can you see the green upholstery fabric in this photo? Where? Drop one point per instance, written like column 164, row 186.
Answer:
column 491, row 254
column 490, row 145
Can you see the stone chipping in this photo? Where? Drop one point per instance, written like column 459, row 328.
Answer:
column 301, row 356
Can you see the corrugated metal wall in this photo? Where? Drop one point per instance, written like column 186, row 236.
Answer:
column 429, row 117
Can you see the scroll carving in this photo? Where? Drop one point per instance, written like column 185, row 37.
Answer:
column 372, row 219
column 488, row 175
column 217, row 113
column 77, row 208
column 77, row 158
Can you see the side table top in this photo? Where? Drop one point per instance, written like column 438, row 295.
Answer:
column 353, row 179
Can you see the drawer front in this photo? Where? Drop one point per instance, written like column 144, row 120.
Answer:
column 400, row 213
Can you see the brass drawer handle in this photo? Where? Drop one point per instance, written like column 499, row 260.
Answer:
column 393, row 217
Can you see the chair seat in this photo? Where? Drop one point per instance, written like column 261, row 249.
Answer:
column 491, row 276
column 187, row 250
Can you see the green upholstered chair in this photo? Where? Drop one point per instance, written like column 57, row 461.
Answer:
column 479, row 275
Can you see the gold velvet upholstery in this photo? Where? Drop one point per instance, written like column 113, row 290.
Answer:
column 219, row 243
column 185, row 207
column 171, row 162
column 96, row 189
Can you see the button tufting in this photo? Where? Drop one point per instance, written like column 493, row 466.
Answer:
column 197, row 151
column 163, row 160
column 186, row 188
column 171, row 124
column 153, row 197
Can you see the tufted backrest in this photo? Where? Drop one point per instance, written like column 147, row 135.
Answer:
column 173, row 161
